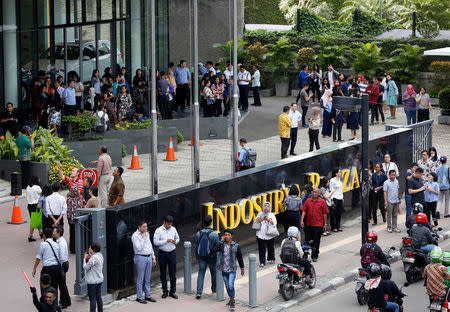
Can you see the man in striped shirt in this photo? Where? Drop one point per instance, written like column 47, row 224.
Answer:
column 435, row 274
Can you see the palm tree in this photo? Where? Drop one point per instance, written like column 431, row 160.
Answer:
column 367, row 59
column 392, row 9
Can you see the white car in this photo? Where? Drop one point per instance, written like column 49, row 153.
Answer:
column 73, row 54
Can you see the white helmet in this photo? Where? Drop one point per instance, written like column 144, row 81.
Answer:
column 292, row 231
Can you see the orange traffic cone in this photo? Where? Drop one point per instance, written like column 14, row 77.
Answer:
column 135, row 160
column 16, row 215
column 170, row 152
column 192, row 142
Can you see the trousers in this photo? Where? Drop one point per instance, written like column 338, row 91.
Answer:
column 392, row 212
column 168, row 260
column 294, row 132
column 104, row 184
column 95, row 297
column 202, row 265
column 228, row 280
column 313, row 234
column 55, row 276
column 378, row 204
column 262, row 244
column 284, row 147
column 336, row 213
column 313, row 139
column 444, row 202
column 144, row 272
column 64, row 292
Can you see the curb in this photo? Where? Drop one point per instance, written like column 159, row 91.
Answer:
column 335, row 283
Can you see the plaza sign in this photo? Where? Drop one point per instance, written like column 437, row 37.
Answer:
column 245, row 210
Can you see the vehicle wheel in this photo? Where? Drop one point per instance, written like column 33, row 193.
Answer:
column 286, row 289
column 313, row 278
column 363, row 296
column 410, row 277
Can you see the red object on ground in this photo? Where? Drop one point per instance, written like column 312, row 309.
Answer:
column 17, row 214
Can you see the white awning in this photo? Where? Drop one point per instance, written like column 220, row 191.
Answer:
column 438, row 52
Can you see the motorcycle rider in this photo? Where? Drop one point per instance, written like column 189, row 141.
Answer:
column 411, row 219
column 370, row 252
column 435, row 275
column 292, row 248
column 446, row 263
column 421, row 234
column 378, row 287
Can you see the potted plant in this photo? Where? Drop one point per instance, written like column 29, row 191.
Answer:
column 280, row 57
column 405, row 63
column 444, row 105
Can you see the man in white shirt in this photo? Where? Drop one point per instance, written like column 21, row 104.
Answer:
column 388, row 165
column 338, row 201
column 244, row 85
column 166, row 238
column 332, row 75
column 144, row 258
column 228, row 72
column 63, row 256
column 256, row 85
column 56, row 207
column 295, row 117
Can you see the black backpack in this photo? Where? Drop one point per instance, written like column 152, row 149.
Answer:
column 250, row 157
column 289, row 251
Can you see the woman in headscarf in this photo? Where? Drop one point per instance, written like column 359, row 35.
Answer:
column 326, row 103
column 90, row 102
column 409, row 104
column 391, row 96
column 267, row 220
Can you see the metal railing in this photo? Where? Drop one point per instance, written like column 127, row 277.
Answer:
column 422, row 136
column 90, row 226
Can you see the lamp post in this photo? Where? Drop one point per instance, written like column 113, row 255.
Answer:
column 235, row 139
column 154, row 143
column 195, row 121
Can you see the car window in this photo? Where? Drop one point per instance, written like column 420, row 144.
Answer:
column 59, row 52
column 103, row 49
column 73, row 52
column 89, row 51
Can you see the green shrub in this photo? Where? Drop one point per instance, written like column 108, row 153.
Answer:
column 145, row 124
column 263, row 12
column 227, row 51
column 67, row 165
column 332, row 54
column 256, row 52
column 180, row 137
column 367, row 59
column 85, row 138
column 124, row 151
column 441, row 78
column 306, row 56
column 8, row 147
column 78, row 125
column 279, row 58
column 48, row 148
column 406, row 62
column 444, row 99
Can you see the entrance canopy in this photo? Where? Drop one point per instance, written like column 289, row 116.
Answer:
column 438, row 52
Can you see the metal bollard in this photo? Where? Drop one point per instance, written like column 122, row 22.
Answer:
column 187, row 268
column 252, row 290
column 219, row 286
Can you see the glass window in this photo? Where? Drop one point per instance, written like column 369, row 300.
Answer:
column 75, row 11
column 91, row 10
column 107, row 6
column 60, row 11
column 43, row 8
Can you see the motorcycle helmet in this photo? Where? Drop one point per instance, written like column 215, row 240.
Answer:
column 446, row 258
column 292, row 231
column 374, row 270
column 371, row 237
column 386, row 272
column 417, row 208
column 436, row 254
column 421, row 218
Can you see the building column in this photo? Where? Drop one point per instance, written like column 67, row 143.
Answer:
column 10, row 63
column 136, row 27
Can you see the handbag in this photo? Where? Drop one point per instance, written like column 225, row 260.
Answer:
column 256, row 225
column 36, row 219
column 272, row 230
column 63, row 273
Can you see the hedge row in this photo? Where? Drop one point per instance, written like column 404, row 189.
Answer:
column 263, row 12
column 387, row 45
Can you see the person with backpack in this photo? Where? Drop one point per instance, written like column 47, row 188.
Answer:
column 292, row 252
column 247, row 156
column 370, row 252
column 205, row 241
column 292, row 205
column 266, row 234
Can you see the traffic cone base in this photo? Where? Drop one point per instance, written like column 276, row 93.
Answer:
column 170, row 152
column 17, row 214
column 192, row 142
column 135, row 160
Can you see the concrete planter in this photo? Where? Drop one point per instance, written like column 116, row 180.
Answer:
column 282, row 88
column 262, row 93
column 444, row 119
column 87, row 151
column 210, row 128
column 37, row 169
column 142, row 138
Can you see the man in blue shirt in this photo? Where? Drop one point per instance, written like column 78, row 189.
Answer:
column 183, row 78
column 202, row 71
column 443, row 179
column 392, row 196
column 69, row 99
column 243, row 154
column 303, row 76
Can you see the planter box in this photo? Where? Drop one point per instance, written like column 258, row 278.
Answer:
column 210, row 127
column 142, row 138
column 262, row 93
column 37, row 169
column 87, row 151
column 444, row 120
column 282, row 89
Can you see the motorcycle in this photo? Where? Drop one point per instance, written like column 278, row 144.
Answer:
column 362, row 295
column 414, row 260
column 292, row 278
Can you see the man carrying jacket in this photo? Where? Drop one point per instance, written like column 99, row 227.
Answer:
column 205, row 242
column 228, row 252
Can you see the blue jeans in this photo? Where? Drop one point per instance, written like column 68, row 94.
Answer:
column 411, row 116
column 427, row 248
column 409, row 206
column 228, row 280
column 392, row 306
column 202, row 265
column 144, row 272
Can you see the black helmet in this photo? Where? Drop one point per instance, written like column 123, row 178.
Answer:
column 417, row 208
column 386, row 272
column 374, row 270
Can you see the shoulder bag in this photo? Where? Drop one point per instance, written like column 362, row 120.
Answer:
column 256, row 225
column 63, row 274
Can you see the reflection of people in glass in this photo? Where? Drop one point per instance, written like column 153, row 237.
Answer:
column 337, row 200
column 379, row 154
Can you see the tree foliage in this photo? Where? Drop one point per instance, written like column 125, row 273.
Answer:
column 367, row 59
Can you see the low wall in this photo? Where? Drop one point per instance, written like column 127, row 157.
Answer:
column 209, row 128
column 233, row 201
column 87, row 151
column 142, row 138
column 37, row 169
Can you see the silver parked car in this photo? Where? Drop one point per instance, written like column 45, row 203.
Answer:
column 73, row 54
